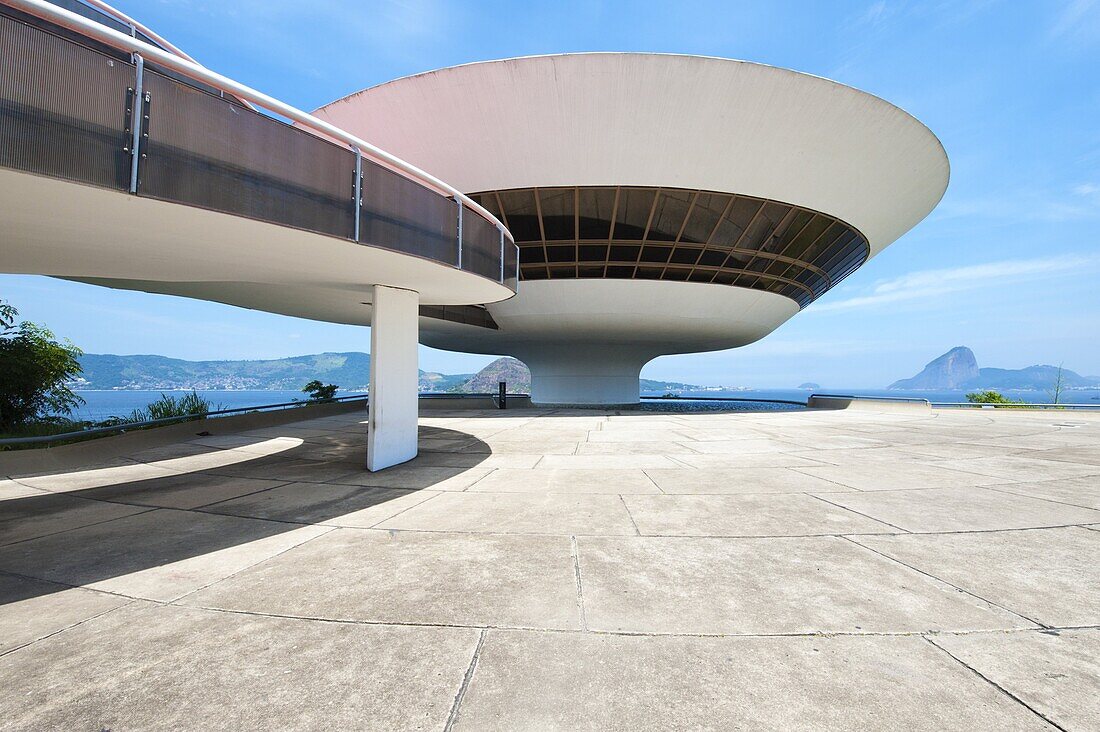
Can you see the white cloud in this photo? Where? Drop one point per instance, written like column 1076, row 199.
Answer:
column 1086, row 189
column 933, row 283
column 1076, row 23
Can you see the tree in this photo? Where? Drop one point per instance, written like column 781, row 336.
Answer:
column 1055, row 393
column 33, row 370
column 319, row 392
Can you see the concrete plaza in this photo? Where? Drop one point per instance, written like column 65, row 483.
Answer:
column 542, row 570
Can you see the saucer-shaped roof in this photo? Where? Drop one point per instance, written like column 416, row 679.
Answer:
column 634, row 119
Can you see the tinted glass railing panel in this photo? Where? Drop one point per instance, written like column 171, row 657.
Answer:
column 480, row 246
column 207, row 152
column 62, row 108
column 402, row 215
column 91, row 14
column 511, row 271
column 67, row 108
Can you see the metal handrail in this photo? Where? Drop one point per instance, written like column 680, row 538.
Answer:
column 726, row 399
column 871, row 398
column 126, row 426
column 1017, row 405
column 192, row 70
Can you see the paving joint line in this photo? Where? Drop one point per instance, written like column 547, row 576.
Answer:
column 629, row 515
column 418, row 504
column 89, row 619
column 949, row 584
column 858, row 513
column 250, row 566
column 996, row 686
column 466, row 678
column 576, row 556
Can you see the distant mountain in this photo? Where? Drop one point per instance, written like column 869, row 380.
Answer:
column 350, row 371
column 958, row 369
column 665, row 386
column 809, row 385
column 509, row 370
column 952, row 370
column 1037, row 377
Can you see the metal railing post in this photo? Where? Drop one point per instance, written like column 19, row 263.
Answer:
column 517, row 265
column 501, row 256
column 137, row 113
column 459, row 202
column 358, row 187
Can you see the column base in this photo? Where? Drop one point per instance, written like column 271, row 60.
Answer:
column 584, row 374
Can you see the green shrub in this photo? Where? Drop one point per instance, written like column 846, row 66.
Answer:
column 189, row 405
column 33, row 370
column 989, row 396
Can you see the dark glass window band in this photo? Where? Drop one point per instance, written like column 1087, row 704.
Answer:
column 630, row 232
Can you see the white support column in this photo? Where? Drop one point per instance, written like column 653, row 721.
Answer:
column 394, row 377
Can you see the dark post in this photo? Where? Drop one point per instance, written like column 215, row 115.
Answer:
column 502, row 398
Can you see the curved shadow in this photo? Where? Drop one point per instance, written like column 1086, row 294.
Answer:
column 177, row 518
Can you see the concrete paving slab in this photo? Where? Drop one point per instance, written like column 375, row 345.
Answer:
column 1048, row 575
column 416, row 478
column 320, row 503
column 189, row 490
column 750, row 514
column 751, row 460
column 743, row 447
column 893, row 476
column 41, row 514
column 160, row 554
column 961, row 509
column 620, row 434
column 1088, row 454
column 1084, row 492
column 739, row 480
column 541, row 682
column 95, row 477
column 532, row 447
column 10, row 490
column 408, row 577
column 580, row 480
column 606, row 462
column 766, row 586
column 32, row 609
column 636, row 448
column 1022, row 468
column 518, row 513
column 568, row 587
column 1056, row 673
column 163, row 668
column 461, row 460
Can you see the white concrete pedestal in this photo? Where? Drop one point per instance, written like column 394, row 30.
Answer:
column 394, row 377
column 578, row 373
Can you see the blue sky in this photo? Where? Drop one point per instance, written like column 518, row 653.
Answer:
column 1008, row 264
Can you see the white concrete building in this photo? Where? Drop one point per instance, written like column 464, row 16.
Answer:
column 662, row 203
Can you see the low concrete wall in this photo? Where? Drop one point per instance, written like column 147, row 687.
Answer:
column 487, row 402
column 868, row 404
column 98, row 450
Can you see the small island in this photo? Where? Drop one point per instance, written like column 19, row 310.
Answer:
column 809, row 385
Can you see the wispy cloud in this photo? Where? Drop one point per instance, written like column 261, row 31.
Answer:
column 1036, row 205
column 935, row 283
column 1077, row 21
